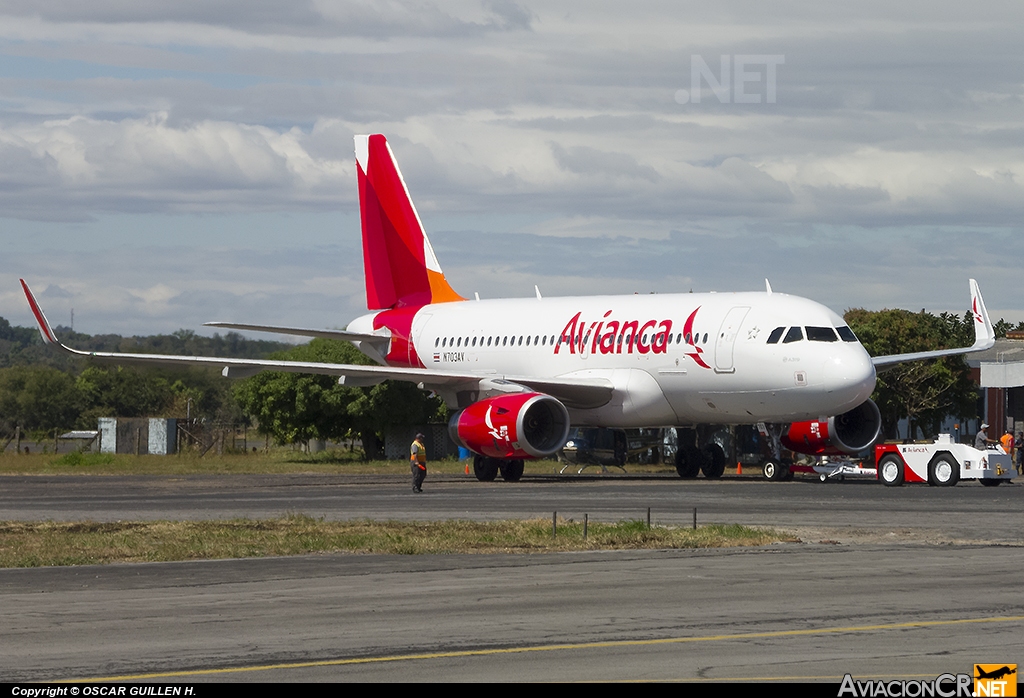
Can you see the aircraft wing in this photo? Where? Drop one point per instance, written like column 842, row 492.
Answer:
column 984, row 337
column 574, row 392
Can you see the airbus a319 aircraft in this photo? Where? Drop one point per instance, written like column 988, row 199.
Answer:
column 519, row 372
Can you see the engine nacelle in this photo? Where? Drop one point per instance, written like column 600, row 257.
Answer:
column 847, row 433
column 517, row 425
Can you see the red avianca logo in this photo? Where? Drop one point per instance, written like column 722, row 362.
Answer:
column 614, row 336
column 611, row 336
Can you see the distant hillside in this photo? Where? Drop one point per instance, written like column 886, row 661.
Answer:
column 22, row 346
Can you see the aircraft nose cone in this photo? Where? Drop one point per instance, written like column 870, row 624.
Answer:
column 850, row 375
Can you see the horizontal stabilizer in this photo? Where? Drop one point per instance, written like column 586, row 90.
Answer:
column 344, row 335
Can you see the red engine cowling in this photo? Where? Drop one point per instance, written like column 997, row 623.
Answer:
column 847, row 433
column 519, row 425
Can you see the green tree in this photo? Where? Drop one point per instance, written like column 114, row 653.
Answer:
column 295, row 407
column 120, row 391
column 924, row 392
column 38, row 398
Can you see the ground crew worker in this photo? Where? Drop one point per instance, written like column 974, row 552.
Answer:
column 1006, row 441
column 981, row 441
column 418, row 462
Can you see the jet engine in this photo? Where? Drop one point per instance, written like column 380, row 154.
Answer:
column 847, row 433
column 517, row 425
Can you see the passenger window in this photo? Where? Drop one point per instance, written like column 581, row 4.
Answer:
column 795, row 334
column 846, row 334
column 821, row 334
column 776, row 335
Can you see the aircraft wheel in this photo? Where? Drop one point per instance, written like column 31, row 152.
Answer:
column 713, row 462
column 512, row 470
column 774, row 470
column 688, row 462
column 485, row 469
column 890, row 470
column 943, row 471
column 990, row 481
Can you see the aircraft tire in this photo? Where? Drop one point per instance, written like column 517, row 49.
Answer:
column 943, row 471
column 485, row 469
column 774, row 470
column 688, row 463
column 890, row 470
column 990, row 481
column 511, row 470
column 713, row 464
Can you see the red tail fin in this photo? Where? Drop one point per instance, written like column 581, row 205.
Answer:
column 399, row 263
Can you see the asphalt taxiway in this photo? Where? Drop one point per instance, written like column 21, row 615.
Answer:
column 904, row 583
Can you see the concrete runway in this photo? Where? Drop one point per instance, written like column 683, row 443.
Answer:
column 898, row 596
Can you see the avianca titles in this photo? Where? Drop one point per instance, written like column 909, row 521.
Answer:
column 519, row 372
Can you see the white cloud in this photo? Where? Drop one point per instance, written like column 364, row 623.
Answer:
column 548, row 123
column 84, row 165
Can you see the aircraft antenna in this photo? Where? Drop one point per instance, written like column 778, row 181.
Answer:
column 767, row 287
column 537, row 289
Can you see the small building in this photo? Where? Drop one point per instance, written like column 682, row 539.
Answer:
column 1000, row 373
column 140, row 436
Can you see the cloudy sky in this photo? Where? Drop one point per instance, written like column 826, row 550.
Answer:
column 164, row 164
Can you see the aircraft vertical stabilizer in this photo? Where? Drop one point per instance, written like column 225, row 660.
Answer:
column 398, row 261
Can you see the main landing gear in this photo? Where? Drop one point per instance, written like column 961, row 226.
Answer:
column 486, row 469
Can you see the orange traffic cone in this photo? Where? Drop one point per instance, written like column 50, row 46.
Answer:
column 739, row 468
column 467, row 467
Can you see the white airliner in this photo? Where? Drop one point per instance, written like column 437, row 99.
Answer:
column 521, row 371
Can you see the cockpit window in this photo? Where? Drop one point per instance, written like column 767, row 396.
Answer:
column 821, row 334
column 776, row 335
column 795, row 334
column 846, row 334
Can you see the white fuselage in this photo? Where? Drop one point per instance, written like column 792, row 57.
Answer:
column 672, row 359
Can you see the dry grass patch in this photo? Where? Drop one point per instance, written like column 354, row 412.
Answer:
column 39, row 544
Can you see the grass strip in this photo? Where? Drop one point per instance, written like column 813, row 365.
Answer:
column 48, row 543
column 278, row 461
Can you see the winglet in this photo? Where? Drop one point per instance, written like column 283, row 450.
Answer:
column 984, row 334
column 44, row 325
